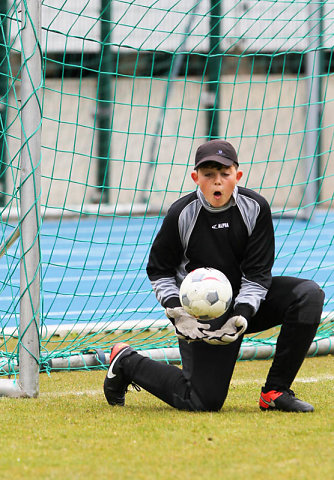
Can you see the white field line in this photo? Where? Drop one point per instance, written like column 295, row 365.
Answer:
column 92, row 393
column 321, row 378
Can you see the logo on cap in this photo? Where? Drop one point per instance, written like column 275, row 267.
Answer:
column 220, row 152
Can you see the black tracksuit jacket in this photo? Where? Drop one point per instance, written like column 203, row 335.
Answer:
column 237, row 239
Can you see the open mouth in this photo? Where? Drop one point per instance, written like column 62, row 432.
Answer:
column 217, row 195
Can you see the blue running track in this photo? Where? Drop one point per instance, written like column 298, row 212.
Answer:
column 94, row 270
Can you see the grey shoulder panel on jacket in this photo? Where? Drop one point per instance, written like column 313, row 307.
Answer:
column 249, row 204
column 187, row 220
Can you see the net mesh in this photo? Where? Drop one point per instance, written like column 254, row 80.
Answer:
column 129, row 91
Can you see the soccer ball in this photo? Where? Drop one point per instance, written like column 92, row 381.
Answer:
column 205, row 293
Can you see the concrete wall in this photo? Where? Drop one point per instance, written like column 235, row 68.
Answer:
column 264, row 117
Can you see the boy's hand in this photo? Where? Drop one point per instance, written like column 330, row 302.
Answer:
column 186, row 326
column 228, row 333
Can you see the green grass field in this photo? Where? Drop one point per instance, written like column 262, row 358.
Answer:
column 70, row 432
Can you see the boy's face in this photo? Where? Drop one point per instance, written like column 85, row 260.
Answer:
column 217, row 184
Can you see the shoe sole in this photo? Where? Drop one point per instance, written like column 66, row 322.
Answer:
column 116, row 400
column 277, row 409
column 120, row 401
column 285, row 411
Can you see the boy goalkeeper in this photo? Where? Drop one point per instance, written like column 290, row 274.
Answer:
column 224, row 226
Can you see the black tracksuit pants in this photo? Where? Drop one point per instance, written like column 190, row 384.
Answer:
column 203, row 382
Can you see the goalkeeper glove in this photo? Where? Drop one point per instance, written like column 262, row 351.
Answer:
column 228, row 333
column 186, row 326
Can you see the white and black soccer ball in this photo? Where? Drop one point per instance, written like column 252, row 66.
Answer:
column 205, row 293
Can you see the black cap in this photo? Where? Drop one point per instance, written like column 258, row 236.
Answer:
column 218, row 151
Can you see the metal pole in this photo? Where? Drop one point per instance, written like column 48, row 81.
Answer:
column 214, row 69
column 30, row 190
column 313, row 113
column 248, row 351
column 3, row 96
column 104, row 102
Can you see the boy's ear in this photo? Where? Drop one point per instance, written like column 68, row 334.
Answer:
column 194, row 176
column 239, row 175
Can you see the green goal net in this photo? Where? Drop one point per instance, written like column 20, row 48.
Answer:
column 128, row 89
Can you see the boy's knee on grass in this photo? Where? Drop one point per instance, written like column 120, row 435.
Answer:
column 196, row 404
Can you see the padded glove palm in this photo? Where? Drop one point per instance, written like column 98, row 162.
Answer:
column 186, row 326
column 228, row 333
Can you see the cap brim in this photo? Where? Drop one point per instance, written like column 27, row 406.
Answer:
column 227, row 162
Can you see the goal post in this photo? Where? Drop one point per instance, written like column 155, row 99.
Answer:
column 29, row 193
column 314, row 110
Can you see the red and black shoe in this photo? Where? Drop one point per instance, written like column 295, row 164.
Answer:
column 115, row 384
column 285, row 401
